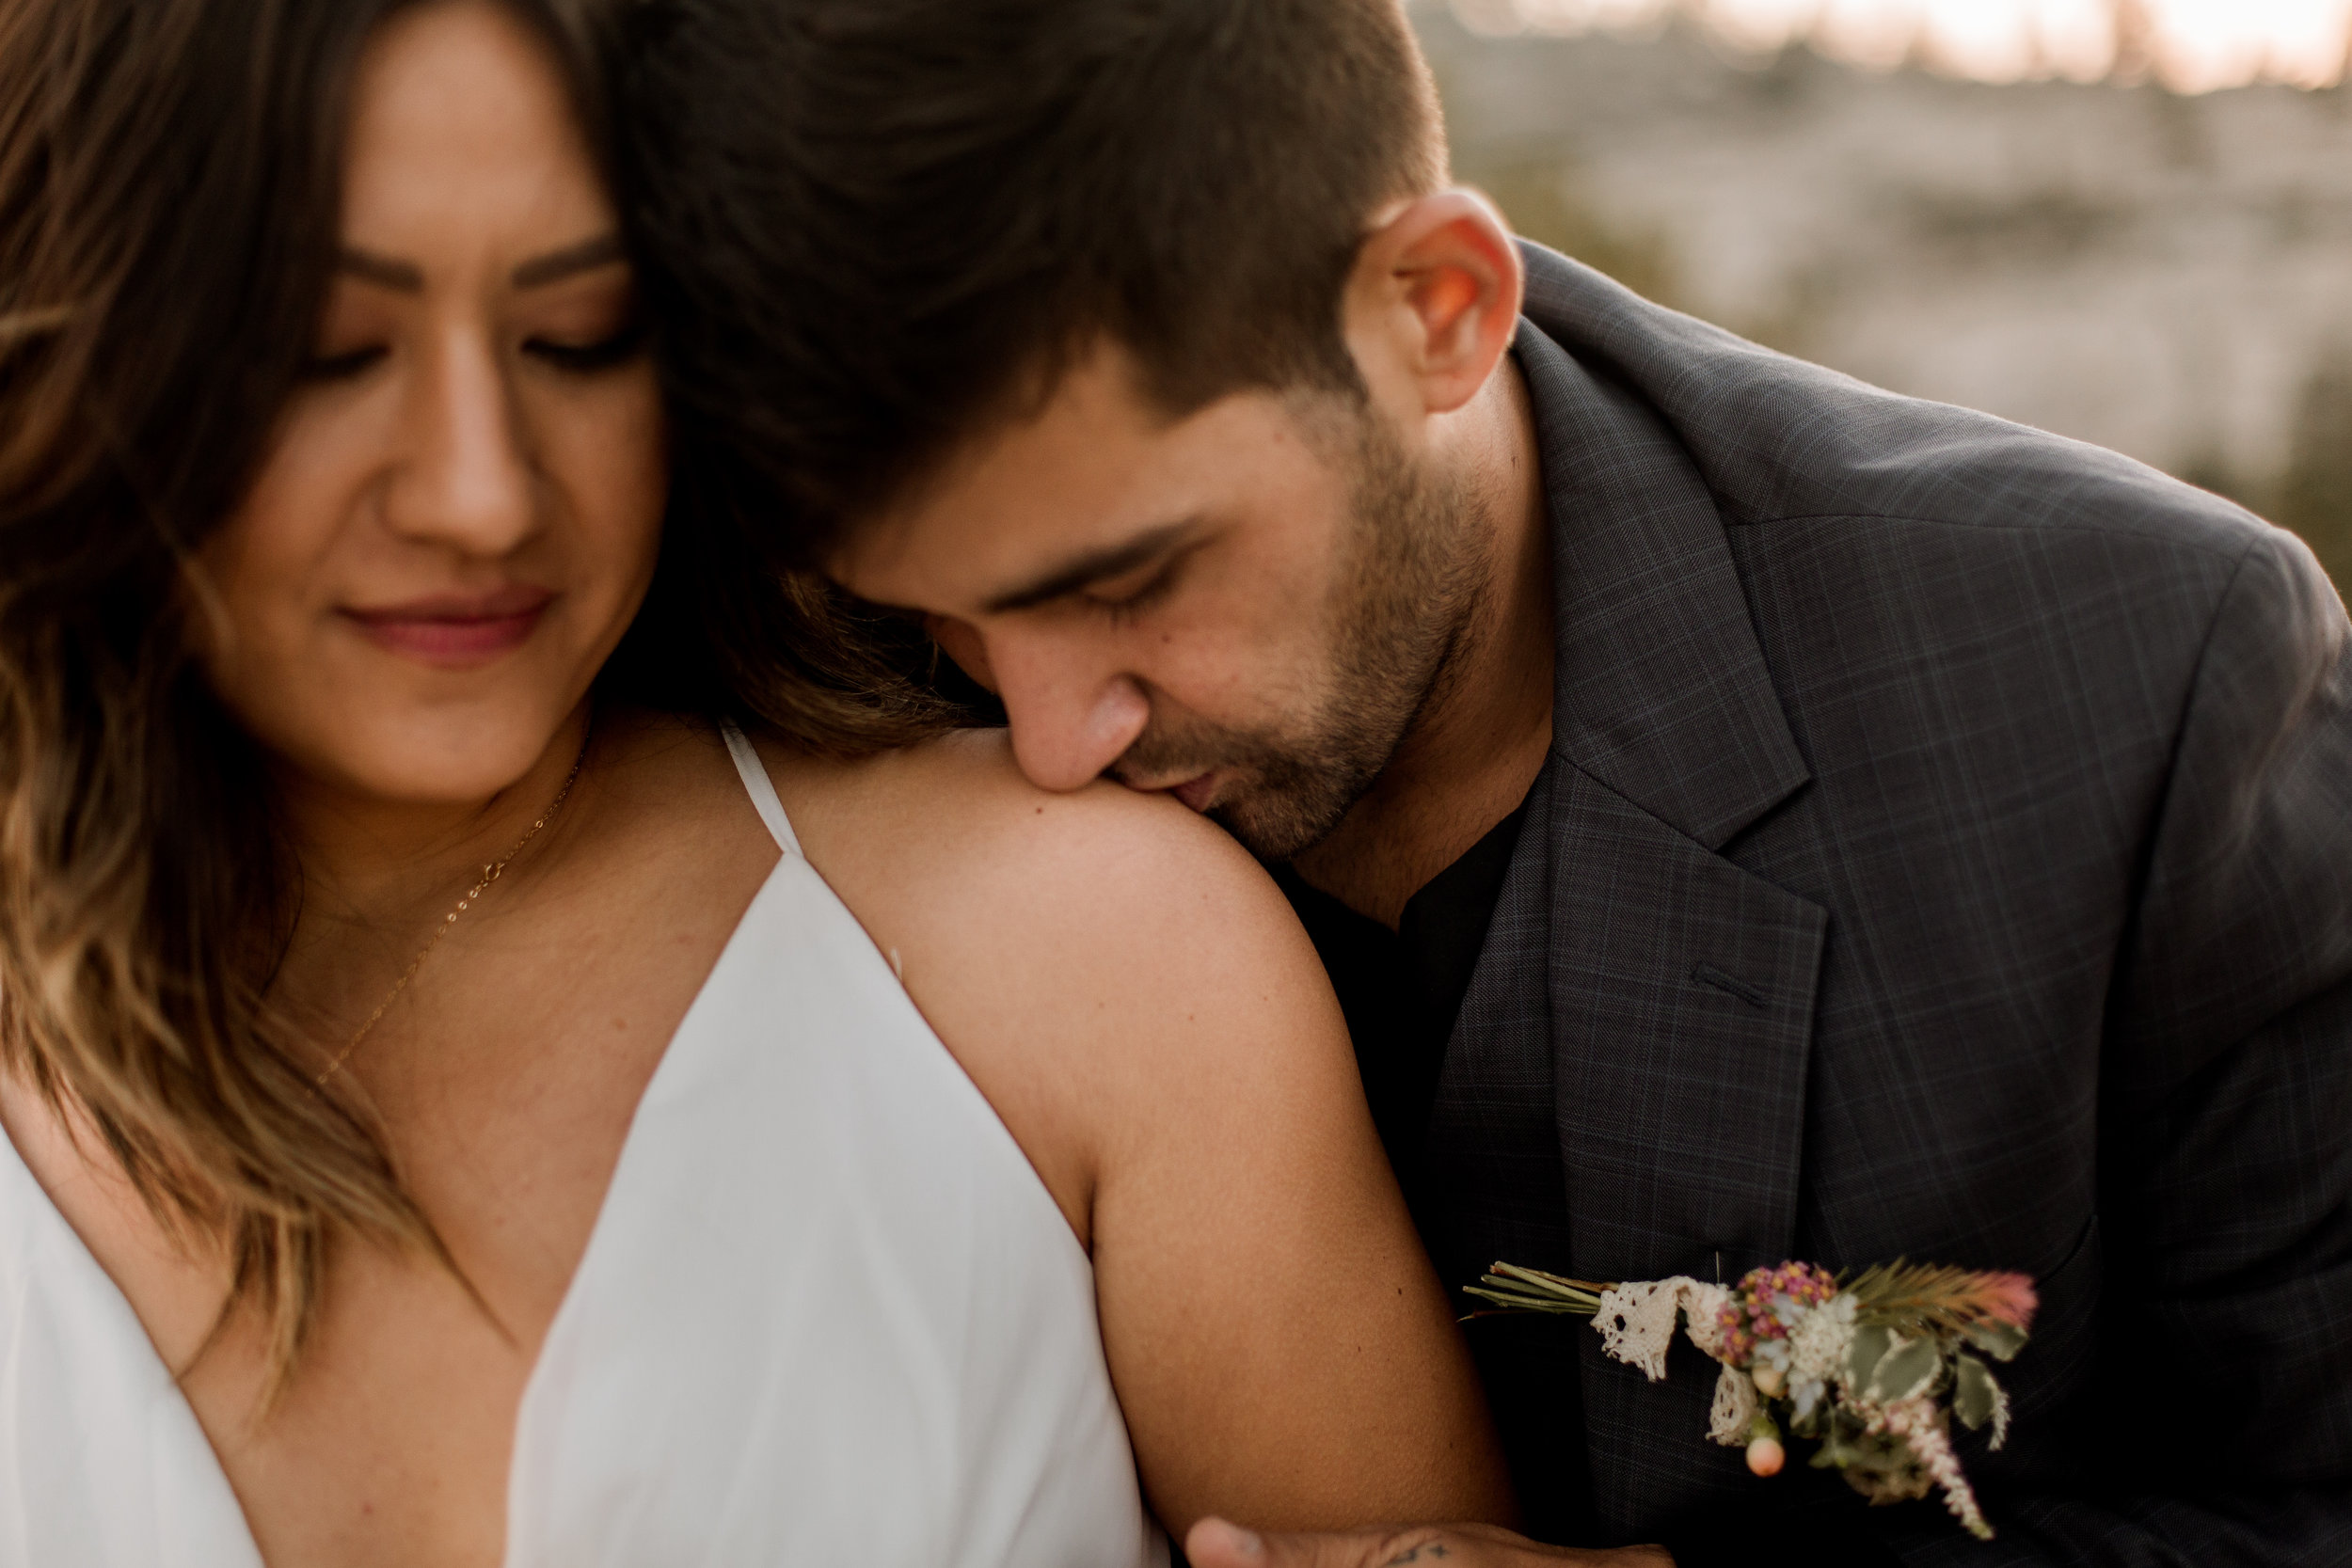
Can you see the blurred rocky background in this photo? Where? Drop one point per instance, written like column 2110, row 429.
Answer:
column 2162, row 271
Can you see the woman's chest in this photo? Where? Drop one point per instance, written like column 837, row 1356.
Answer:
column 821, row 1293
column 390, row 1443
column 393, row 1444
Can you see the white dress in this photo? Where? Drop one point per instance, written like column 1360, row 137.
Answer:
column 828, row 1314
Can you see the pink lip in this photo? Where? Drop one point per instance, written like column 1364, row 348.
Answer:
column 455, row 631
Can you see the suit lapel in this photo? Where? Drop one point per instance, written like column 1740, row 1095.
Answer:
column 1492, row 1157
column 1660, row 690
column 1680, row 985
column 1681, row 992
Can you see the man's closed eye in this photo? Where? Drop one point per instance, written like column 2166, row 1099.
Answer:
column 1131, row 594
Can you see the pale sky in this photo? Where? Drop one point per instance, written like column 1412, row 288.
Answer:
column 2194, row 45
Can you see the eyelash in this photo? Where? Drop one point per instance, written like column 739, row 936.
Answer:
column 572, row 358
column 588, row 358
column 341, row 366
column 1121, row 611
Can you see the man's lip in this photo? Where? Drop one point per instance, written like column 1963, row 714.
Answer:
column 1196, row 792
column 454, row 630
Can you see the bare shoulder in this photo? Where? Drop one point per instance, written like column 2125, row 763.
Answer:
column 951, row 833
column 1096, row 960
column 962, row 796
column 1132, row 994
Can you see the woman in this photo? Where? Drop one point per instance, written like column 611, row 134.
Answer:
column 466, row 1102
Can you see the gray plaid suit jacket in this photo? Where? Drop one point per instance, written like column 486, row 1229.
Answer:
column 1945, row 850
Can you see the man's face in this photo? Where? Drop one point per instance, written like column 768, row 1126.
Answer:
column 1245, row 606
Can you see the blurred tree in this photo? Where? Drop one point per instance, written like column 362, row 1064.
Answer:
column 1539, row 197
column 2315, row 496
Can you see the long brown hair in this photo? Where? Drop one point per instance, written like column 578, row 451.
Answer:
column 169, row 193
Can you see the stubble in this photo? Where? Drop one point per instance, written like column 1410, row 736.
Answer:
column 1402, row 610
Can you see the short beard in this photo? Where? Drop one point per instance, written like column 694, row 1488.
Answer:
column 1401, row 613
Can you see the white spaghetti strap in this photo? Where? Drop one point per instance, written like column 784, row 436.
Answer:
column 762, row 788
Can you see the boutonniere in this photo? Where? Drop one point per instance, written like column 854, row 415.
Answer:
column 1873, row 1369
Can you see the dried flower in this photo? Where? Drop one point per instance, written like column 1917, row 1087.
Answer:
column 1874, row 1370
column 1924, row 1428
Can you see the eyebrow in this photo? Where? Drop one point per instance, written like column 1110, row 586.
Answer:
column 408, row 277
column 556, row 265
column 381, row 270
column 1092, row 567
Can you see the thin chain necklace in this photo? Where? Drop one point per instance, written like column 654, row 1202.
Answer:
column 490, row 873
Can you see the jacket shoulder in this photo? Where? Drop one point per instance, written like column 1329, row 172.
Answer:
column 1776, row 439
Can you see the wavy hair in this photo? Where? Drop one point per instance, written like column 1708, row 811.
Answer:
column 170, row 190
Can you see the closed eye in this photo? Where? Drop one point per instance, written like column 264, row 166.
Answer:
column 1125, row 604
column 589, row 358
column 344, row 366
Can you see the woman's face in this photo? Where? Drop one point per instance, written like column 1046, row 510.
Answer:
column 461, row 510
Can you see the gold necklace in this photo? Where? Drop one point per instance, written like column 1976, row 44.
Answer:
column 490, row 873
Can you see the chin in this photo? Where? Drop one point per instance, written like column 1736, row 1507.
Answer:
column 1270, row 828
column 431, row 759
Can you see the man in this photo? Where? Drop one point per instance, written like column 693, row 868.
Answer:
column 1747, row 816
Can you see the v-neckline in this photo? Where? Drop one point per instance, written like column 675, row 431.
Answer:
column 106, row 1287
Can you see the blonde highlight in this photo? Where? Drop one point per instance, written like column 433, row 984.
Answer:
column 145, row 893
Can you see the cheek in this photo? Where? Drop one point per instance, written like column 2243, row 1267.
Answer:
column 260, row 579
column 1277, row 589
column 612, row 462
column 1247, row 641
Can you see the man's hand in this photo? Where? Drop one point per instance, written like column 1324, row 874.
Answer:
column 1215, row 1544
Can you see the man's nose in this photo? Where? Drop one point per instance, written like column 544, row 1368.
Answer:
column 1068, row 725
column 467, row 480
column 961, row 640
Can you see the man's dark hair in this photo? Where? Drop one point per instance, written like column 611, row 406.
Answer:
column 873, row 226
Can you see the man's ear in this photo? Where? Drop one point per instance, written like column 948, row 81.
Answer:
column 1434, row 299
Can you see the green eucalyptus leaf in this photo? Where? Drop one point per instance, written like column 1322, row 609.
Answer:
column 1997, row 1341
column 1869, row 1343
column 1974, row 1393
column 1904, row 1369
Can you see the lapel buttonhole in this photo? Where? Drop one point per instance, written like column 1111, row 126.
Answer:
column 1708, row 974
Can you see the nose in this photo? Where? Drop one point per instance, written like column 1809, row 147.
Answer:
column 961, row 640
column 1069, row 723
column 468, row 479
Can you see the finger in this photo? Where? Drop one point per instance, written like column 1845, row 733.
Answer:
column 1216, row 1542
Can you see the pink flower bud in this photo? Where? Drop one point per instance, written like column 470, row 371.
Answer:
column 1766, row 1456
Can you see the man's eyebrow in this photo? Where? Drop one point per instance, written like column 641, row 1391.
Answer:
column 1089, row 568
column 556, row 265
